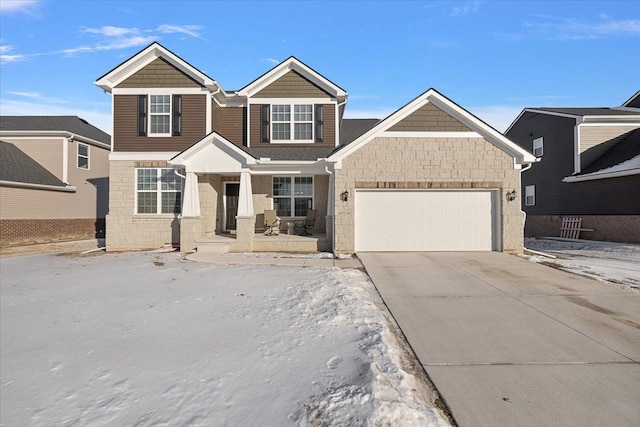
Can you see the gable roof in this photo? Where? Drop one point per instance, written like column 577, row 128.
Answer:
column 634, row 101
column 520, row 155
column 293, row 64
column 71, row 124
column 141, row 59
column 18, row 167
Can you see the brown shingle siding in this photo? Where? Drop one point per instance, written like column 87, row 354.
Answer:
column 429, row 119
column 292, row 85
column 158, row 73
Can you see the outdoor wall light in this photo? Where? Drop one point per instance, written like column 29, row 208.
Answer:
column 344, row 196
column 511, row 195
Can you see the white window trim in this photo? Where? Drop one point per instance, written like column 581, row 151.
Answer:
column 88, row 156
column 292, row 197
column 149, row 114
column 538, row 143
column 292, row 124
column 158, row 191
column 529, row 191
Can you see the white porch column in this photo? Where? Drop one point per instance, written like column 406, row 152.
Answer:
column 329, row 219
column 191, row 201
column 245, row 201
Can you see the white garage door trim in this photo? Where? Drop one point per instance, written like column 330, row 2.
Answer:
column 427, row 220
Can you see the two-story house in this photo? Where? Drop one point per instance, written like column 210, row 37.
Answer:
column 54, row 183
column 589, row 167
column 194, row 164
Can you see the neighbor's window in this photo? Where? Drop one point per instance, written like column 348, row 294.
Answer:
column 537, row 147
column 530, row 195
column 158, row 191
column 292, row 196
column 83, row 156
column 160, row 114
column 301, row 121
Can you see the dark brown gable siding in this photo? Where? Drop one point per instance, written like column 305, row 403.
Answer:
column 429, row 118
column 292, row 85
column 329, row 127
column 125, row 126
column 158, row 73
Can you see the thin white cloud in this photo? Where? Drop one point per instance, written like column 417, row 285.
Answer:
column 553, row 28
column 497, row 116
column 190, row 30
column 109, row 31
column 273, row 61
column 466, row 9
column 25, row 94
column 7, row 57
column 17, row 5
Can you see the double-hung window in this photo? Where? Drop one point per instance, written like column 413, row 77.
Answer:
column 292, row 196
column 158, row 191
column 538, row 149
column 159, row 114
column 530, row 195
column 83, row 156
column 292, row 122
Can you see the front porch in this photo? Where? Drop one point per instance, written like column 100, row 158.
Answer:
column 228, row 242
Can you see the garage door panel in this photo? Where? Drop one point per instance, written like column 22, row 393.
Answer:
column 394, row 220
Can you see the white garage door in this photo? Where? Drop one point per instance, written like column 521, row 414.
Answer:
column 425, row 220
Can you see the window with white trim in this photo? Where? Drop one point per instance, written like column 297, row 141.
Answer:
column 159, row 114
column 285, row 125
column 530, row 195
column 83, row 156
column 292, row 196
column 538, row 147
column 158, row 191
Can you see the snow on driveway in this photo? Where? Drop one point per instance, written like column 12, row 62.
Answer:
column 616, row 264
column 150, row 339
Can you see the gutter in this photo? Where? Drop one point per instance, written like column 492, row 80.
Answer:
column 66, row 189
column 595, row 175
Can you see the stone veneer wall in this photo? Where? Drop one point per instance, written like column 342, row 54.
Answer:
column 458, row 161
column 125, row 229
column 611, row 228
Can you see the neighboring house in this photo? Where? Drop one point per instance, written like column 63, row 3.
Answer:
column 192, row 161
column 53, row 179
column 589, row 167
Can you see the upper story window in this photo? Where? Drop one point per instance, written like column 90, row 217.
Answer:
column 538, row 150
column 159, row 115
column 292, row 123
column 83, row 156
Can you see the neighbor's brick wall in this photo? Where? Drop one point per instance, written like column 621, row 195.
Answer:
column 15, row 232
column 428, row 160
column 125, row 229
column 611, row 228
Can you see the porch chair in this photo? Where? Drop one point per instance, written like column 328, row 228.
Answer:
column 271, row 223
column 306, row 224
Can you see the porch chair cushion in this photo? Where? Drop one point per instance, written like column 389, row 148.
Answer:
column 271, row 223
column 307, row 224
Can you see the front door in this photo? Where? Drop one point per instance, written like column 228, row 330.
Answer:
column 231, row 194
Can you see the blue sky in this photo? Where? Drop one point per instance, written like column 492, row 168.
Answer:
column 494, row 58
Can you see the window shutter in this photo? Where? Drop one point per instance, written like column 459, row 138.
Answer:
column 142, row 115
column 264, row 128
column 177, row 115
column 319, row 122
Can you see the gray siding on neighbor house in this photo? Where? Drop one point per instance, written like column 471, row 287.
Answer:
column 125, row 125
column 595, row 140
column 158, row 73
column 613, row 196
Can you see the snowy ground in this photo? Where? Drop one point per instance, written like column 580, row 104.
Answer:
column 150, row 339
column 615, row 264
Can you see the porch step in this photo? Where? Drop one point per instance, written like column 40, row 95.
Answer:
column 211, row 247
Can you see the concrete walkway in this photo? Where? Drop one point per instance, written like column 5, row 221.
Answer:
column 508, row 342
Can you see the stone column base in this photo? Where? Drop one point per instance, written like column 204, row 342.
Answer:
column 245, row 231
column 189, row 232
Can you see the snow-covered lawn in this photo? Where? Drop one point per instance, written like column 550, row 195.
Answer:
column 150, row 339
column 616, row 264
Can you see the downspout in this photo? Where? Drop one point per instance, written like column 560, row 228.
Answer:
column 524, row 216
column 333, row 225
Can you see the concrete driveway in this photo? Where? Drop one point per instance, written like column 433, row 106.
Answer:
column 508, row 342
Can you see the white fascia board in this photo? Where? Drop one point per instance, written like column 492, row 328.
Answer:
column 28, row 185
column 409, row 134
column 160, row 91
column 292, row 64
column 601, row 175
column 633, row 120
column 182, row 157
column 141, row 155
column 146, row 56
column 553, row 113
